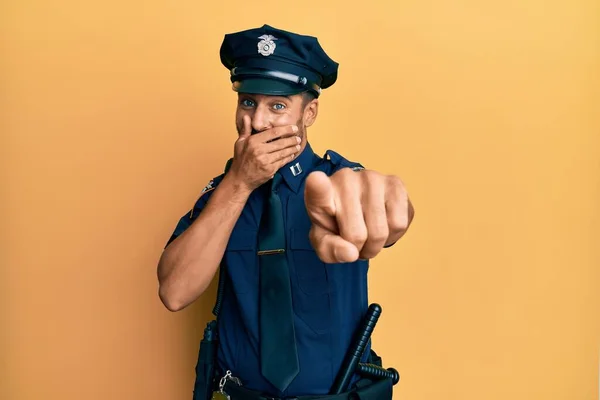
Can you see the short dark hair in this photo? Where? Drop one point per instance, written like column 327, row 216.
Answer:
column 307, row 97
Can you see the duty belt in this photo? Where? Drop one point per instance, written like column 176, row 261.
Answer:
column 376, row 384
column 371, row 390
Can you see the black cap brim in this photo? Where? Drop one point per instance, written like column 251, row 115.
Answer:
column 271, row 87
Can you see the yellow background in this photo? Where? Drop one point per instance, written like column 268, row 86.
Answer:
column 115, row 114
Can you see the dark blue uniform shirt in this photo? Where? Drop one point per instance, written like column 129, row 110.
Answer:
column 329, row 300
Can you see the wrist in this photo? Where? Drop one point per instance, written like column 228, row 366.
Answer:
column 239, row 188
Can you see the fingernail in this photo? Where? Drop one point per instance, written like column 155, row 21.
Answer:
column 298, row 139
column 294, row 128
column 297, row 147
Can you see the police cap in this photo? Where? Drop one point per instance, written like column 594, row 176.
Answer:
column 272, row 61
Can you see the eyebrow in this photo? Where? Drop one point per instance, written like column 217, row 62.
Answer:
column 280, row 96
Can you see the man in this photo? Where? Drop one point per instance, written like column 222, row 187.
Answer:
column 292, row 231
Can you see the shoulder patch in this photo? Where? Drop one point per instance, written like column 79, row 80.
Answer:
column 208, row 187
column 212, row 184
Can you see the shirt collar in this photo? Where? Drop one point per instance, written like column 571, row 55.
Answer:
column 298, row 169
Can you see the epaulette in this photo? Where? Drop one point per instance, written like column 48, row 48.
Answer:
column 337, row 159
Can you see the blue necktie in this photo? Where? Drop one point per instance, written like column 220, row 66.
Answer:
column 278, row 354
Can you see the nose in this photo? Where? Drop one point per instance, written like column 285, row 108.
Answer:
column 260, row 119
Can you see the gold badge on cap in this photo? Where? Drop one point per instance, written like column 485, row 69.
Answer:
column 266, row 46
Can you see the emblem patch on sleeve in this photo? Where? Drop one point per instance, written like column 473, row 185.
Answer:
column 208, row 187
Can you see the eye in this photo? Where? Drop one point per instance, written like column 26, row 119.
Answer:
column 247, row 103
column 278, row 106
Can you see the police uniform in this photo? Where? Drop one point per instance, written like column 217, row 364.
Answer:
column 328, row 300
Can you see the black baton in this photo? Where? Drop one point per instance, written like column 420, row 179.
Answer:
column 205, row 367
column 357, row 349
column 377, row 372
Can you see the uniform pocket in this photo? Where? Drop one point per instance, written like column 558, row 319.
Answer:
column 311, row 300
column 311, row 272
column 240, row 259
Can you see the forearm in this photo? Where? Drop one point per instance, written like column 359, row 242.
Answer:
column 189, row 263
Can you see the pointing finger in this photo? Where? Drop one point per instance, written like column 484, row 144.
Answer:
column 330, row 247
column 319, row 197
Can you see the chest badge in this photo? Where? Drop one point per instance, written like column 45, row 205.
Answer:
column 266, row 46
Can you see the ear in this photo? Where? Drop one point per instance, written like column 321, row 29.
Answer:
column 310, row 112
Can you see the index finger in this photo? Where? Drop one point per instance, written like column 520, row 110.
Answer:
column 330, row 247
column 319, row 200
